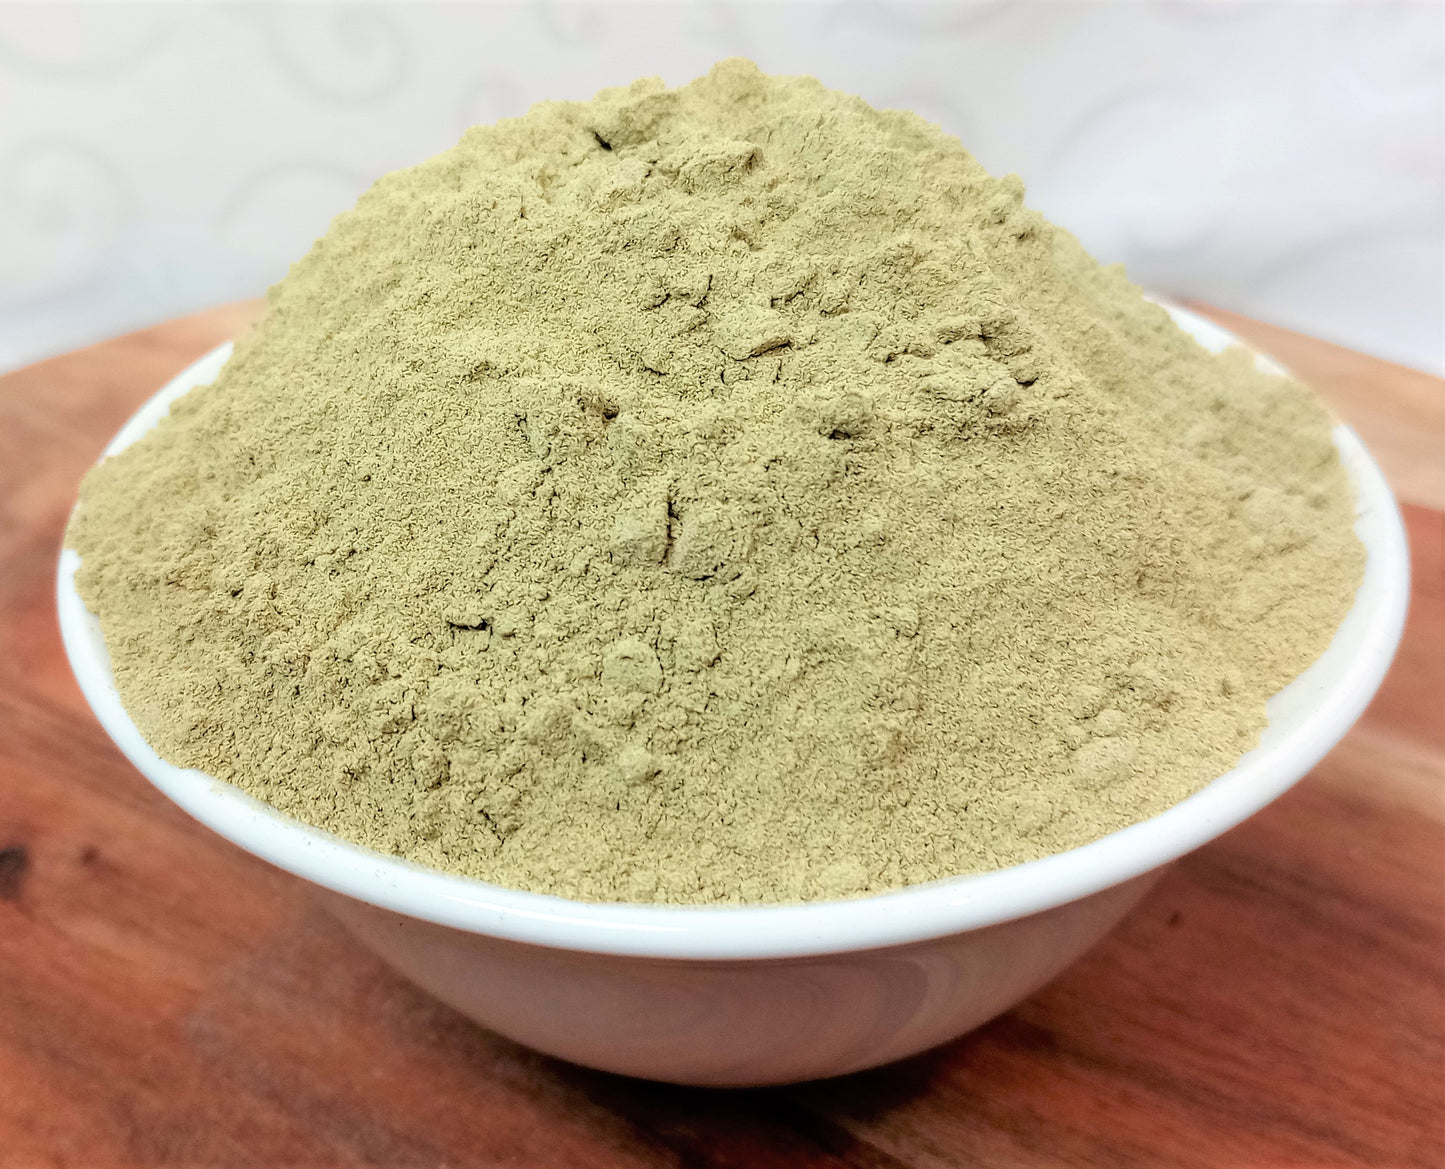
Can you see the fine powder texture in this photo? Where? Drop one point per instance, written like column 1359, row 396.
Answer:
column 721, row 494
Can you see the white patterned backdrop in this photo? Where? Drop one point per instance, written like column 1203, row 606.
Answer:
column 1283, row 159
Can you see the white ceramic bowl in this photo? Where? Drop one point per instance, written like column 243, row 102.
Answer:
column 773, row 994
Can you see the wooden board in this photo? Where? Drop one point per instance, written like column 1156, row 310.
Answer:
column 168, row 1001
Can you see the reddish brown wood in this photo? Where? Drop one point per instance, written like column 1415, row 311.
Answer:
column 166, row 1000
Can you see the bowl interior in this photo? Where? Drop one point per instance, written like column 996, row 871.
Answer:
column 1306, row 719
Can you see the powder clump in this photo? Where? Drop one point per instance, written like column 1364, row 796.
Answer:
column 729, row 493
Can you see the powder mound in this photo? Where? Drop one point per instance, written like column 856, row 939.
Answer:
column 729, row 493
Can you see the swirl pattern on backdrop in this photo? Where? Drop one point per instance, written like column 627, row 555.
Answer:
column 1282, row 160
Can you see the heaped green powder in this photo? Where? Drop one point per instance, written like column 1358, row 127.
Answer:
column 720, row 494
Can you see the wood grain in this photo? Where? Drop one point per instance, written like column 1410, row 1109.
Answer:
column 168, row 1001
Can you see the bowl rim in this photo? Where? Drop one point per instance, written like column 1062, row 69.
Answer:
column 913, row 914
